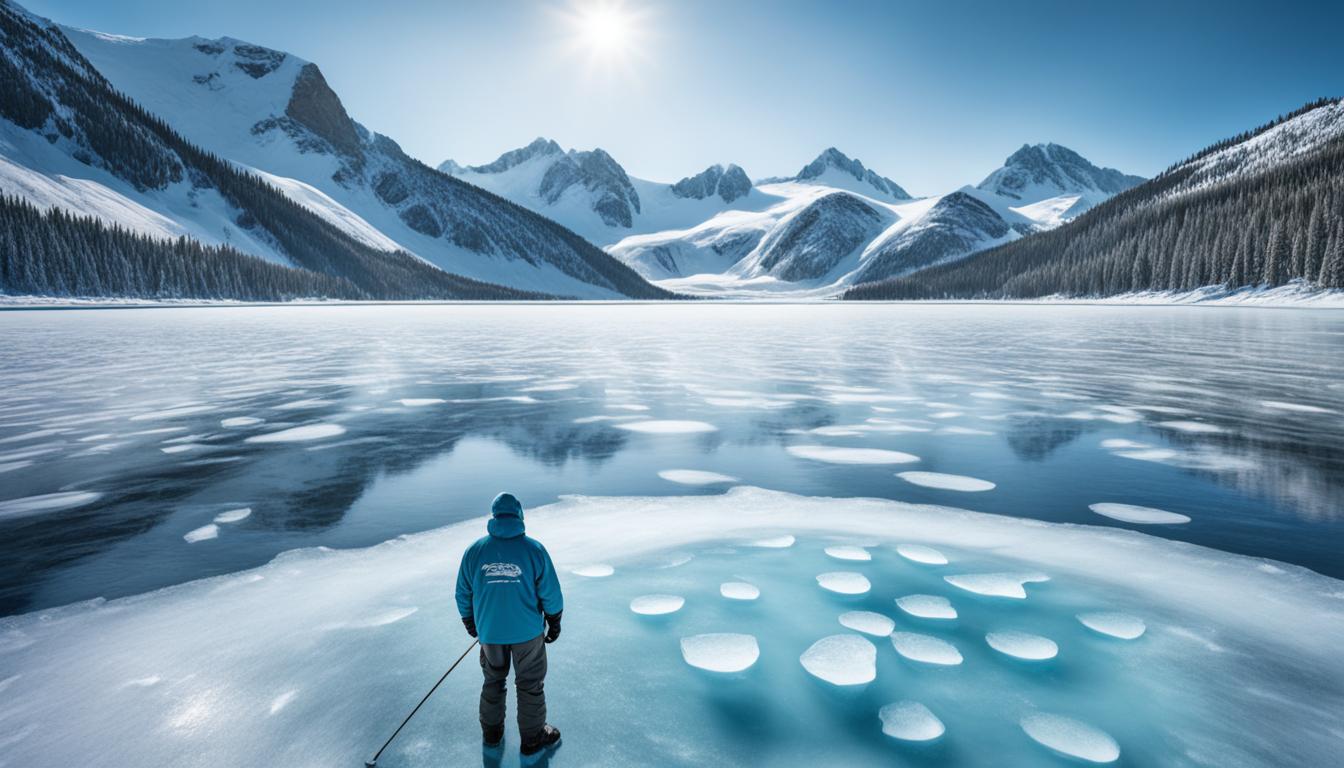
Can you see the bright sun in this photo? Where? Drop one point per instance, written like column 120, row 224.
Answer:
column 609, row 33
column 605, row 29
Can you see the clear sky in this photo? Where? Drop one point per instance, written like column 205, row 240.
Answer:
column 931, row 94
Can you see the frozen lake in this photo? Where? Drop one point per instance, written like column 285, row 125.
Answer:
column 705, row 625
column 124, row 434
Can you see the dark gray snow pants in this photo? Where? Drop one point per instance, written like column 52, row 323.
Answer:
column 529, row 676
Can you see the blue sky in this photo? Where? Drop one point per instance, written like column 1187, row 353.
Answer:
column 931, row 94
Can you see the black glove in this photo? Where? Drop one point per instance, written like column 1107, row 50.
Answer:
column 470, row 623
column 552, row 627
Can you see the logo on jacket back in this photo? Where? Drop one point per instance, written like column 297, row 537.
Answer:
column 507, row 570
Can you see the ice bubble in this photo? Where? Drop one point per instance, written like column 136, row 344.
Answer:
column 927, row 606
column 667, row 427
column 739, row 590
column 594, row 571
column 868, row 622
column 240, row 421
column 837, row 455
column 204, row 533
column 657, row 605
column 926, row 649
column 844, row 582
column 1193, row 427
column 848, row 552
column 1278, row 405
column 299, row 434
column 1022, row 645
column 282, row 701
column 996, row 584
column 233, row 515
column 921, row 554
column 695, row 477
column 1114, row 624
column 774, row 542
column 841, row 660
column 720, row 652
column 47, row 502
column 946, row 482
column 1131, row 513
column 1071, row 737
column 910, row 721
column 420, row 402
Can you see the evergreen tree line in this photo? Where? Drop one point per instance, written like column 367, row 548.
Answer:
column 1261, row 229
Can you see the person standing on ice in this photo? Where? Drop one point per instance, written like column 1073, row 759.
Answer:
column 509, row 598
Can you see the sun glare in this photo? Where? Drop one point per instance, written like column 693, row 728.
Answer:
column 604, row 30
column 609, row 33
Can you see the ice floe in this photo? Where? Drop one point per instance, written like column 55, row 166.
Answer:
column 946, row 482
column 240, row 421
column 910, row 721
column 720, row 652
column 848, row 552
column 1132, row 513
column 925, row 649
column 918, row 553
column 1113, row 623
column 657, row 605
column 844, row 582
column 695, row 477
column 996, row 584
column 841, row 660
column 838, row 455
column 47, row 502
column 233, row 515
column 299, row 434
column 868, row 622
column 667, row 426
column 927, row 606
column 774, row 542
column 739, row 590
column 204, row 533
column 594, row 570
column 1022, row 645
column 1071, row 737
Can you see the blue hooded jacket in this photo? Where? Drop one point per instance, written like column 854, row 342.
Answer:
column 506, row 580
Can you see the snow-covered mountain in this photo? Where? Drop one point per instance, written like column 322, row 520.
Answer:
column 1055, row 176
column 274, row 113
column 833, row 168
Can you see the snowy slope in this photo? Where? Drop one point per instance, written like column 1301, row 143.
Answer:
column 274, row 112
column 1296, row 137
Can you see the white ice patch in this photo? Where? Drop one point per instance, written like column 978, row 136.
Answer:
column 927, row 606
column 282, row 701
column 1278, row 405
column 303, row 405
column 240, row 421
column 627, row 407
column 837, row 455
column 1121, row 444
column 925, row 649
column 844, row 582
column 918, row 553
column 594, row 571
column 962, row 431
column 233, row 515
column 841, row 660
column 695, row 477
column 1022, row 645
column 945, row 415
column 299, row 434
column 910, row 721
column 946, row 482
column 1131, row 513
column 420, row 402
column 667, row 427
column 204, row 533
column 183, row 448
column 739, row 590
column 1114, row 624
column 603, row 417
column 47, row 502
column 657, row 605
column 774, row 542
column 867, row 622
column 1071, row 737
column 848, row 552
column 996, row 584
column 549, row 388
column 720, row 652
column 1192, row 427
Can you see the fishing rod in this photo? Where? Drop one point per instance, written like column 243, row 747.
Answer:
column 374, row 761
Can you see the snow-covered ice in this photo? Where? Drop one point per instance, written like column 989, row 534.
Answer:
column 240, row 421
column 910, row 721
column 204, row 533
column 867, row 622
column 667, row 426
column 844, row 582
column 1113, row 623
column 695, row 477
column 1071, row 737
column 926, row 649
column 841, row 660
column 739, row 590
column 996, row 584
column 301, row 434
column 1022, row 645
column 946, row 482
column 774, row 542
column 838, row 455
column 918, row 553
column 233, row 515
column 927, row 606
column 1132, row 513
column 657, row 605
column 848, row 552
column 720, row 651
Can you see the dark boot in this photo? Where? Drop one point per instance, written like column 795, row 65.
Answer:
column 492, row 735
column 549, row 736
